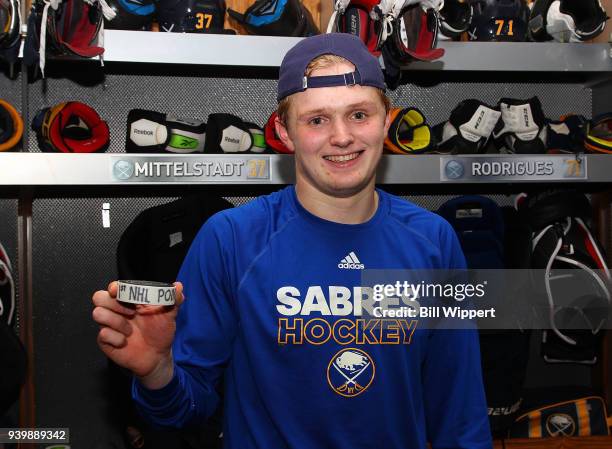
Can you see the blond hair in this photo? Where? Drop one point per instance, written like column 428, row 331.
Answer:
column 321, row 62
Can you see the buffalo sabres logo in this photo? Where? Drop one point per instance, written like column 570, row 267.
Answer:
column 350, row 372
column 560, row 425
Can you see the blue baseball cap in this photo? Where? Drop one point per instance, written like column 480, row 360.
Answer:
column 291, row 77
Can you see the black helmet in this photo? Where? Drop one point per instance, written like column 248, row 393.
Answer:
column 131, row 14
column 10, row 23
column 499, row 20
column 192, row 16
column 455, row 18
column 276, row 18
column 566, row 20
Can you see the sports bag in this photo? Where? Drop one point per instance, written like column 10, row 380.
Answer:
column 580, row 417
column 575, row 270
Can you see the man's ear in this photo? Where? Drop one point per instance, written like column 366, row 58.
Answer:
column 387, row 122
column 283, row 133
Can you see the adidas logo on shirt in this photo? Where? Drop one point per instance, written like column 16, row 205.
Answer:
column 351, row 262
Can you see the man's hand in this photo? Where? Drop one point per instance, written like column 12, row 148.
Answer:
column 140, row 338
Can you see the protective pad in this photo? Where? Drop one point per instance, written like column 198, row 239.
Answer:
column 277, row 18
column 154, row 132
column 408, row 133
column 566, row 135
column 7, row 127
column 11, row 126
column 71, row 127
column 522, row 128
column 146, row 132
column 186, row 136
column 468, row 128
column 599, row 134
column 259, row 139
column 227, row 133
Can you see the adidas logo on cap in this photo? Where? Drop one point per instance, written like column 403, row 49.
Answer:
column 351, row 262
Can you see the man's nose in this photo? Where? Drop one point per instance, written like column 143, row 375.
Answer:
column 342, row 135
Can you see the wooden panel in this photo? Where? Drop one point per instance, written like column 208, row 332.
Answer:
column 326, row 9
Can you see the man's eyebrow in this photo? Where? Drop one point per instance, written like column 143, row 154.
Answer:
column 314, row 112
column 360, row 104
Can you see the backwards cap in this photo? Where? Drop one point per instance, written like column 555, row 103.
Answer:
column 291, row 76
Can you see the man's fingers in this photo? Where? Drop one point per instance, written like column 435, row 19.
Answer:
column 108, row 318
column 108, row 336
column 101, row 298
column 112, row 289
column 180, row 297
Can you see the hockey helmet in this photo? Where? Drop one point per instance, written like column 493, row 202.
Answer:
column 131, row 14
column 566, row 21
column 191, row 16
column 276, row 18
column 455, row 18
column 499, row 20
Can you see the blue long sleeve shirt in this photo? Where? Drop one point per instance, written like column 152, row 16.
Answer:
column 275, row 306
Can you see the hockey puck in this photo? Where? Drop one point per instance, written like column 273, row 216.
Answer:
column 146, row 292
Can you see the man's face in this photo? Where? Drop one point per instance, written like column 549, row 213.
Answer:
column 337, row 134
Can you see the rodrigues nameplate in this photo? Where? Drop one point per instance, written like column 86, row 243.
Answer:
column 208, row 168
column 513, row 168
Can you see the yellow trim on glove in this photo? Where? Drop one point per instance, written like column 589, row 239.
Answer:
column 411, row 121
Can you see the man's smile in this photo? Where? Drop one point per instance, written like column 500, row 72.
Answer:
column 343, row 157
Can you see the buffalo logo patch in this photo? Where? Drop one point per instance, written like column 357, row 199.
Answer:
column 560, row 425
column 350, row 372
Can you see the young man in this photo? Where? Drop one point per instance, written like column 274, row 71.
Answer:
column 274, row 301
